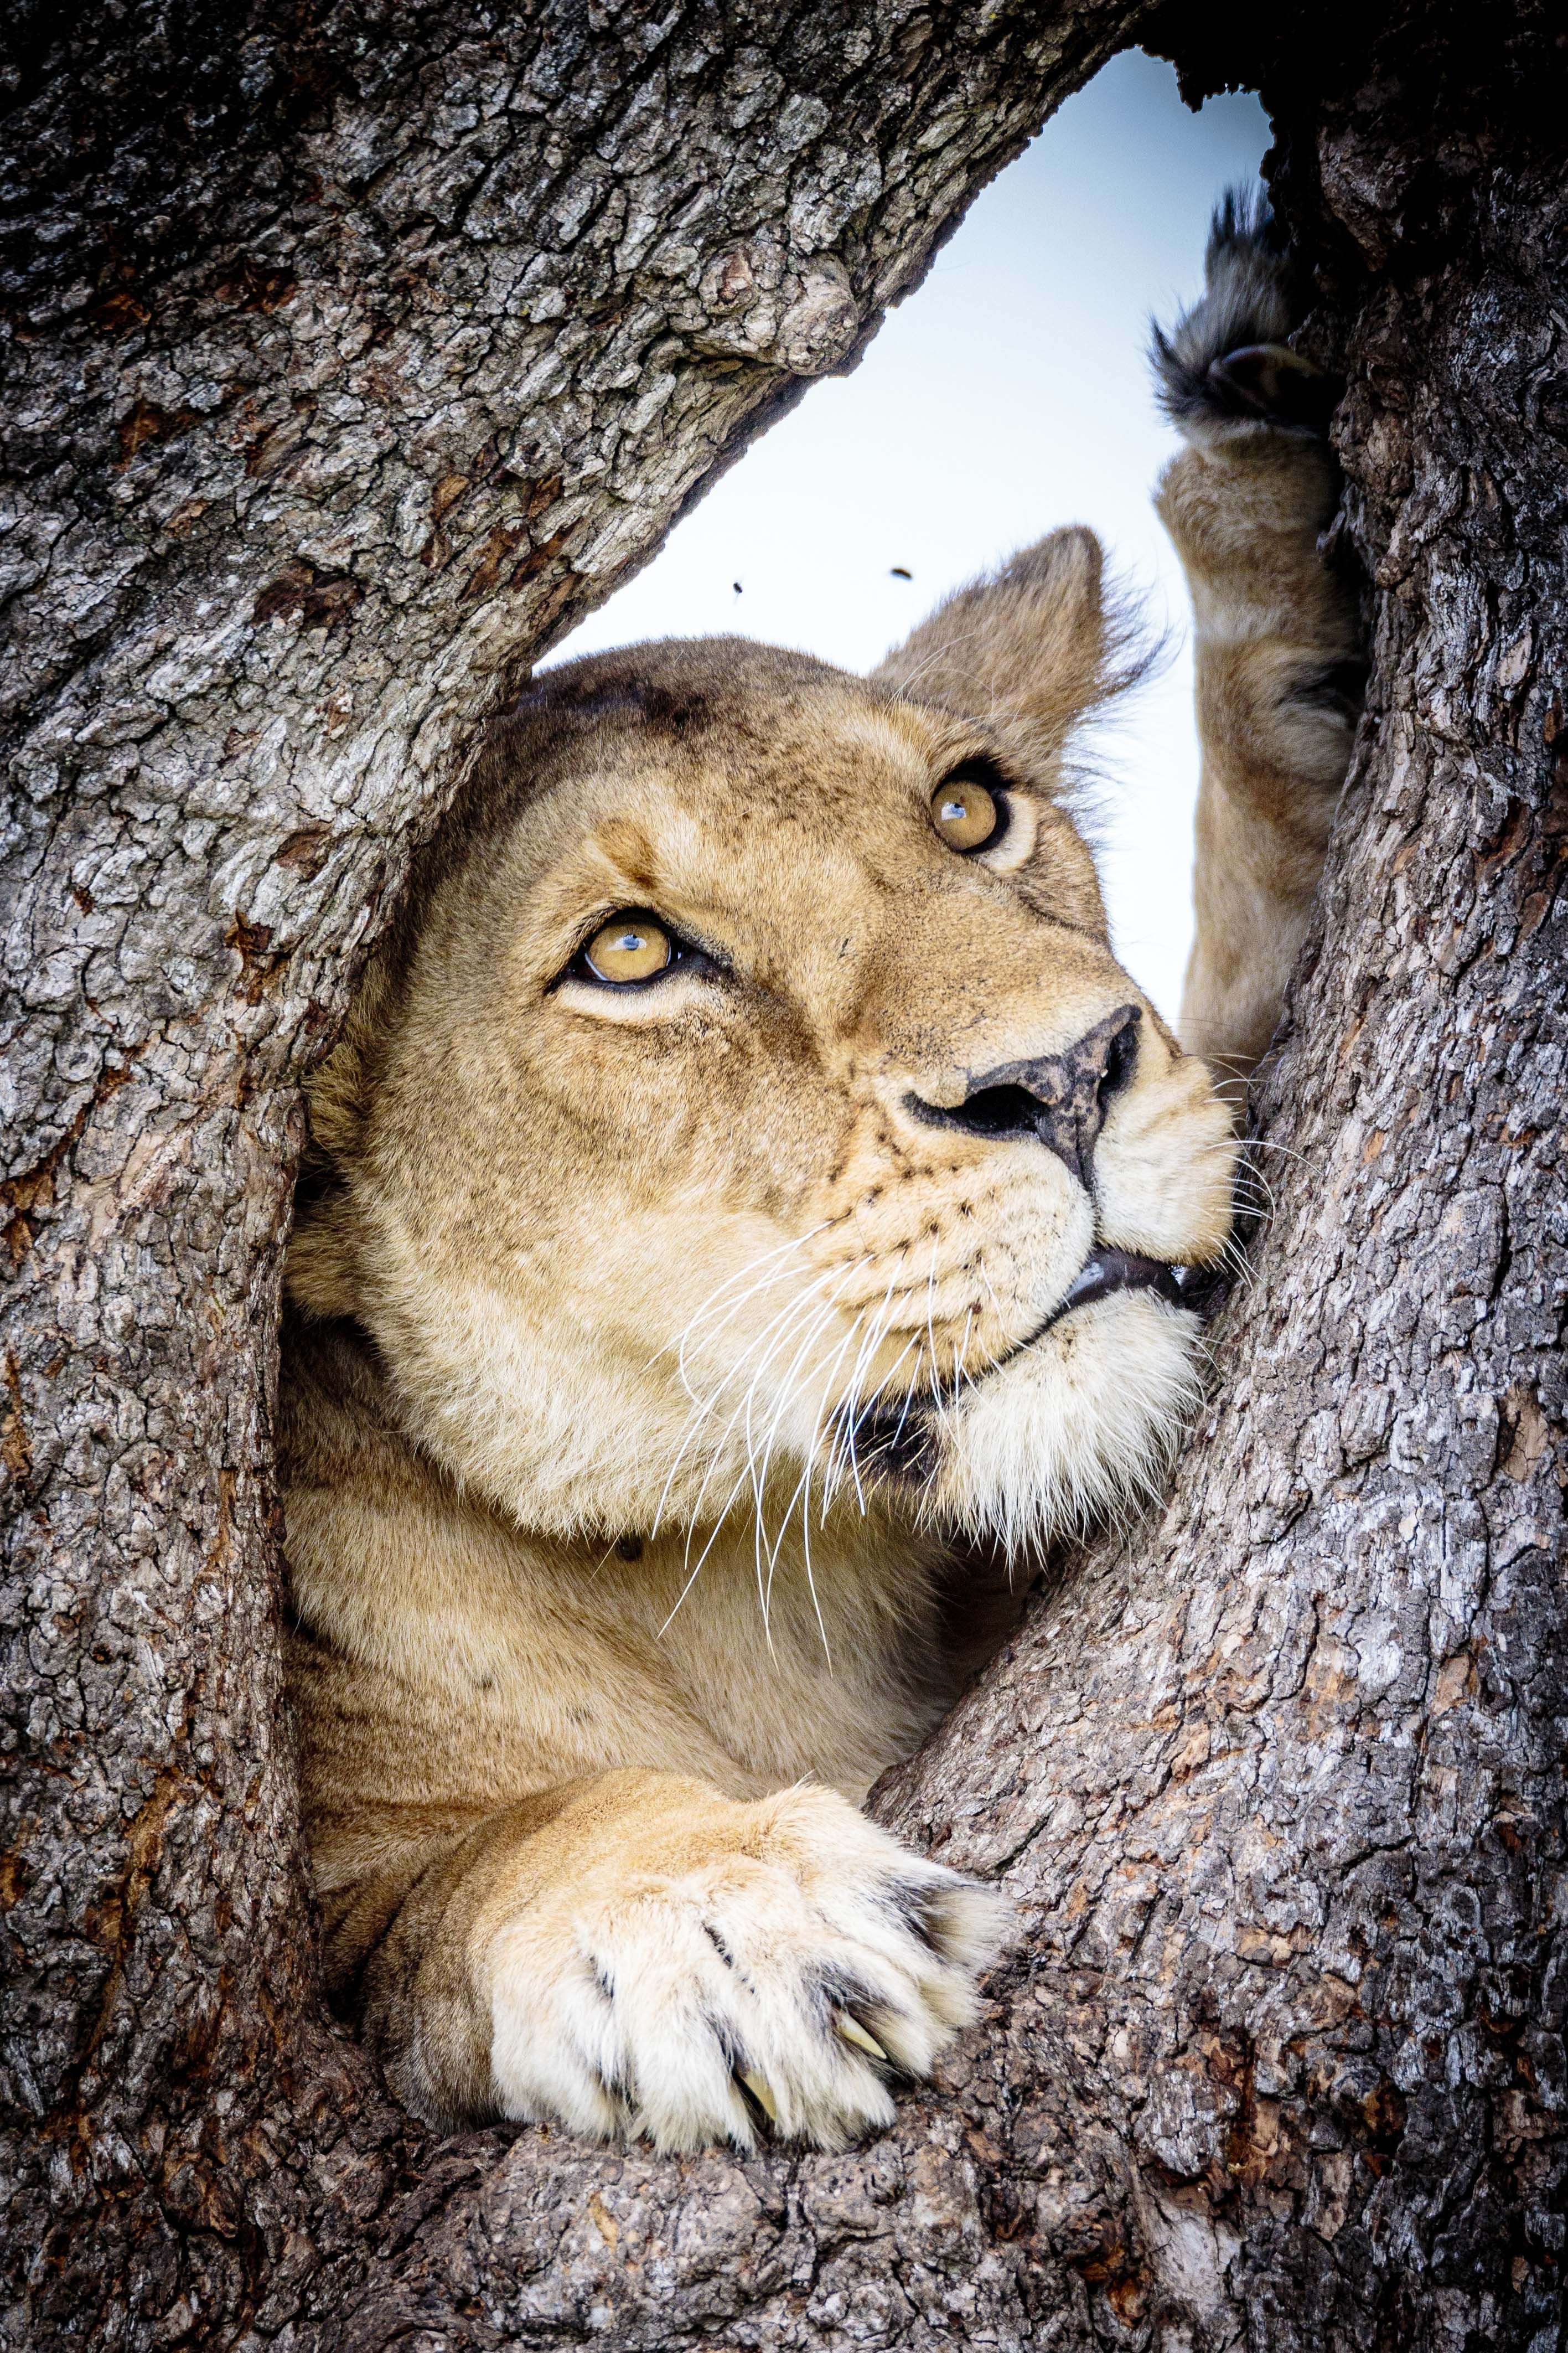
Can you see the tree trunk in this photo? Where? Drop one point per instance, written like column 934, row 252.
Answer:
column 353, row 355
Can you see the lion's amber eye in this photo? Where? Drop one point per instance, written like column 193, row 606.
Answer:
column 967, row 814
column 629, row 948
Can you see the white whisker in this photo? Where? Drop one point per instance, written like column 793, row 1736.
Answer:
column 703, row 1407
column 844, row 1445
column 788, row 1390
column 930, row 1327
column 802, row 1491
column 700, row 1315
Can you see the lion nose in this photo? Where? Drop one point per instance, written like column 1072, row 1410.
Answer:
column 1062, row 1099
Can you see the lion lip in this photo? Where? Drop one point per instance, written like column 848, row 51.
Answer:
column 1108, row 1270
column 899, row 1439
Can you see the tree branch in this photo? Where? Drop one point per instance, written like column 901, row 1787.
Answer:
column 1277, row 1783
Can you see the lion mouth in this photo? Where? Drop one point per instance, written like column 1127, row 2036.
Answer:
column 899, row 1439
column 1107, row 1271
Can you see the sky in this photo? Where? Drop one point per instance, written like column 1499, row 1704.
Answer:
column 1010, row 393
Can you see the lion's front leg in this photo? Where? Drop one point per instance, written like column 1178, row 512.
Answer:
column 656, row 1959
column 1279, row 672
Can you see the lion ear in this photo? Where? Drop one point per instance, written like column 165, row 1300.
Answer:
column 1034, row 648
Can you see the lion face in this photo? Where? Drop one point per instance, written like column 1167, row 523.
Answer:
column 757, row 1118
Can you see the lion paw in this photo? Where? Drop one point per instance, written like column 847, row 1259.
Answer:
column 1227, row 368
column 709, row 1970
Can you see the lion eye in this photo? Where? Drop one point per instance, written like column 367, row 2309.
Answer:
column 968, row 815
column 629, row 948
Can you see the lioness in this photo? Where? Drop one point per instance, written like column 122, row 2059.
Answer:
column 747, row 1190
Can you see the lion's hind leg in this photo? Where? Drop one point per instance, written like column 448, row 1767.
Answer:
column 1279, row 672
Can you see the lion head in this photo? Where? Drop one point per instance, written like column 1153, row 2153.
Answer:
column 748, row 1112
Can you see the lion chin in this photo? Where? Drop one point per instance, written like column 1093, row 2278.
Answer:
column 1080, row 1425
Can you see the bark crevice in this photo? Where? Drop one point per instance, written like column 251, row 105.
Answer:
column 351, row 357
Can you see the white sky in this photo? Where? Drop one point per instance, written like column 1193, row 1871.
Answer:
column 1010, row 393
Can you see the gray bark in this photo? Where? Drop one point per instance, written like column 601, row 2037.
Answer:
column 351, row 357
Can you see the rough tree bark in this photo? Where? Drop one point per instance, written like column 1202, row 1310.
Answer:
column 355, row 352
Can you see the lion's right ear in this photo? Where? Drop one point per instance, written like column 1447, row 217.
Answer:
column 1033, row 647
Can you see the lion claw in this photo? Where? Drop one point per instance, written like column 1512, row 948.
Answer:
column 761, row 2092
column 853, row 2031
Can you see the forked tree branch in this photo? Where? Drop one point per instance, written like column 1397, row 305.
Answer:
column 353, row 354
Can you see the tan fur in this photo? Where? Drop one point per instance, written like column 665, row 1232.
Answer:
column 1276, row 629
column 604, row 1621
column 1246, row 511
